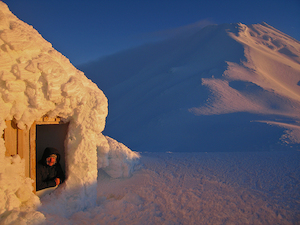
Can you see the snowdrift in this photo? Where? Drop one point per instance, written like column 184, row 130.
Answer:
column 228, row 87
column 36, row 80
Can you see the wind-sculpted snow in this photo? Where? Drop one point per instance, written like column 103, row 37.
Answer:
column 210, row 87
column 225, row 100
column 36, row 80
column 226, row 88
column 121, row 160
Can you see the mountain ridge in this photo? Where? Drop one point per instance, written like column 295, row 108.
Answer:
column 177, row 84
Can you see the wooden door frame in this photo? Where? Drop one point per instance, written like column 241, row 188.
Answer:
column 42, row 121
column 23, row 143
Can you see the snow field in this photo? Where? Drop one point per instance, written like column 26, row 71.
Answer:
column 199, row 188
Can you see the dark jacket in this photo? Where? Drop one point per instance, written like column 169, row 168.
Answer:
column 45, row 175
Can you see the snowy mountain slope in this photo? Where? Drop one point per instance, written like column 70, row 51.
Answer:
column 205, row 92
column 214, row 188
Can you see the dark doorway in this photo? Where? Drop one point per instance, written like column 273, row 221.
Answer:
column 51, row 135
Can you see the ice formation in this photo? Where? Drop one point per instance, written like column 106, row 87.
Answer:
column 36, row 80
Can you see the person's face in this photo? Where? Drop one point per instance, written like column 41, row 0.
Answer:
column 51, row 161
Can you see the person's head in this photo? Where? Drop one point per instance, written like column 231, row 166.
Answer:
column 51, row 160
column 50, row 157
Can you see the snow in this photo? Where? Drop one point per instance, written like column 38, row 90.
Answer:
column 223, row 104
column 16, row 194
column 192, row 90
column 122, row 160
column 199, row 188
column 36, row 80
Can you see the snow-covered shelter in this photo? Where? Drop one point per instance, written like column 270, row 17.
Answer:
column 45, row 100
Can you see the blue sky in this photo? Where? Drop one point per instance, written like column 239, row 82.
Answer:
column 87, row 30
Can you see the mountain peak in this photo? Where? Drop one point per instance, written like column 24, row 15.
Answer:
column 201, row 92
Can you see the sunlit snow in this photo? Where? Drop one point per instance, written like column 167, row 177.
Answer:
column 213, row 118
column 205, row 91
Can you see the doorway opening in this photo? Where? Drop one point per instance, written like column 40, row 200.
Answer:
column 51, row 135
column 30, row 144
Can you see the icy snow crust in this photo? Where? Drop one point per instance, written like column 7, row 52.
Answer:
column 220, row 83
column 36, row 80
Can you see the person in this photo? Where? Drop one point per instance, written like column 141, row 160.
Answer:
column 49, row 172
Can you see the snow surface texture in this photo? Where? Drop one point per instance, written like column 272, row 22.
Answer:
column 255, row 188
column 237, row 84
column 236, row 64
column 36, row 80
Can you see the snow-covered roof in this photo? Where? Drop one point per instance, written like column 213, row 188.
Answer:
column 37, row 80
